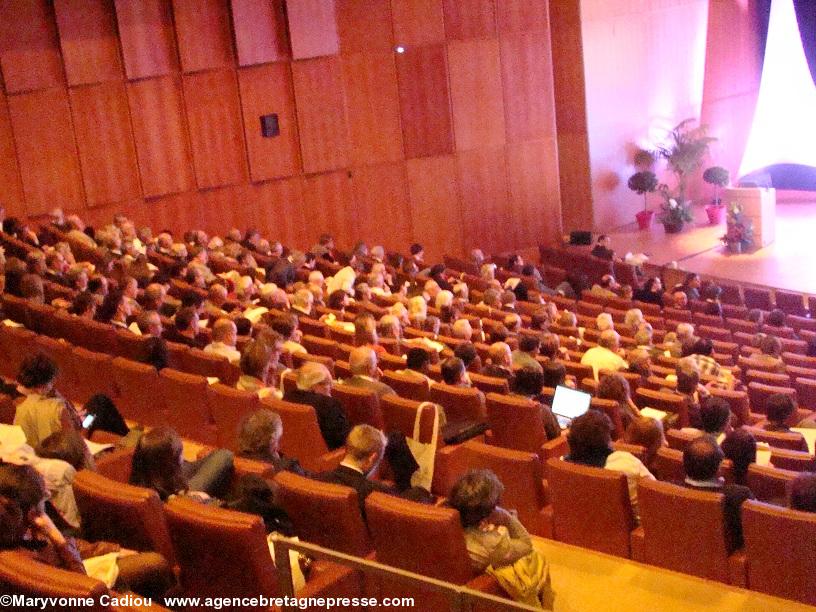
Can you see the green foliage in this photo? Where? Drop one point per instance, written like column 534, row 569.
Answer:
column 716, row 175
column 643, row 182
column 684, row 150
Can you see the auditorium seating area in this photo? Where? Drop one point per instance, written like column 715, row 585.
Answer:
column 583, row 506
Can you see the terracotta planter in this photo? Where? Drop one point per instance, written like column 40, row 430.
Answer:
column 644, row 219
column 673, row 227
column 734, row 247
column 715, row 214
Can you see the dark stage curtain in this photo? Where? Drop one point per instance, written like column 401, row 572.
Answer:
column 806, row 17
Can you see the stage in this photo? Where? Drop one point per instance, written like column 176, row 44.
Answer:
column 787, row 263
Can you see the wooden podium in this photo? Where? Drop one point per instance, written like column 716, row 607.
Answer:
column 758, row 205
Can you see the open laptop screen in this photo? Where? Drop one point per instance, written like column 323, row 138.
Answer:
column 568, row 404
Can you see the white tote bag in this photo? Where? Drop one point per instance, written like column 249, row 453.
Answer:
column 424, row 453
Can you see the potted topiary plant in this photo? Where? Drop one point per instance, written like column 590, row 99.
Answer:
column 717, row 176
column 643, row 182
column 683, row 151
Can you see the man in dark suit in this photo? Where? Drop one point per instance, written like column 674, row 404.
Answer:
column 365, row 447
column 701, row 460
column 363, row 365
column 314, row 389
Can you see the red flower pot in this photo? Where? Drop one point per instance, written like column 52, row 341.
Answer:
column 644, row 219
column 715, row 214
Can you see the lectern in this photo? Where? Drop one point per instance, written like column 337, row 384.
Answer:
column 758, row 205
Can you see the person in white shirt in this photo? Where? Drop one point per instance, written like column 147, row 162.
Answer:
column 287, row 326
column 605, row 356
column 256, row 363
column 590, row 442
column 224, row 338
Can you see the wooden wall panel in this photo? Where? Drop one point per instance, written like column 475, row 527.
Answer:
column 280, row 210
column 532, row 171
column 216, row 132
column 321, row 114
column 105, row 143
column 372, row 103
column 312, row 28
column 418, row 22
column 204, row 35
column 476, row 94
column 266, row 90
column 9, row 171
column 522, row 16
column 29, row 51
column 148, row 40
column 46, row 151
column 381, row 207
column 159, row 129
column 436, row 207
column 469, row 18
column 424, row 101
column 483, row 182
column 529, row 105
column 328, row 205
column 90, row 47
column 364, row 26
column 260, row 31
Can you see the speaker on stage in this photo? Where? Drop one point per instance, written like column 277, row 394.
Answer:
column 582, row 237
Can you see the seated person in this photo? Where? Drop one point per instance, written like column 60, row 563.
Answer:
column 185, row 329
column 114, row 309
column 257, row 362
column 314, row 383
column 259, row 439
column 741, row 448
column 715, row 418
column 418, row 362
column 363, row 366
column 365, row 333
column 158, row 464
column 528, row 383
column 780, row 409
column 555, row 373
column 606, row 288
column 701, row 352
column 25, row 527
column 501, row 361
column 803, row 492
column 365, row 447
column 224, row 339
column 640, row 362
column 769, row 359
column 701, row 461
column 590, row 442
column 525, row 355
column 462, row 330
column 606, row 355
column 454, row 373
column 688, row 385
column 601, row 248
column 651, row 292
column 615, row 387
column 469, row 356
column 155, row 347
column 648, row 433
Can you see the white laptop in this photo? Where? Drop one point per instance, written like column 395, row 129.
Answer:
column 569, row 404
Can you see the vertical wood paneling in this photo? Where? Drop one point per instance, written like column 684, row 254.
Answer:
column 418, row 22
column 204, row 36
column 483, row 182
column 312, row 28
column 522, row 16
column 328, row 205
column 9, row 172
column 29, row 51
column 526, row 65
column 157, row 111
column 266, row 90
column 469, row 19
column 105, row 143
column 46, row 151
column 532, row 169
column 280, row 211
column 364, row 26
column 476, row 94
column 436, row 207
column 216, row 132
column 424, row 101
column 321, row 114
column 260, row 31
column 148, row 41
column 382, row 209
column 372, row 102
column 90, row 48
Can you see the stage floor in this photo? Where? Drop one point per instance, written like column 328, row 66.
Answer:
column 787, row 263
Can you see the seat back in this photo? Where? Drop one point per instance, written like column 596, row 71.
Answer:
column 489, row 384
column 610, row 408
column 758, row 394
column 298, row 359
column 778, row 439
column 577, row 491
column 668, row 402
column 407, row 385
column 668, row 465
column 460, row 403
column 806, row 392
column 679, row 439
column 117, row 512
column 16, row 343
column 301, row 433
column 773, row 534
column 196, row 361
column 737, row 401
column 793, row 460
column 770, row 484
column 520, row 472
column 399, row 414
column 96, row 336
column 324, row 513
column 176, row 353
column 228, row 407
column 137, row 385
column 515, row 422
column 695, row 545
column 41, row 319
column 318, row 345
column 185, row 396
column 757, row 298
column 221, row 553
column 360, row 405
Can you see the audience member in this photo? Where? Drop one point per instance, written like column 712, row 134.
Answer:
column 528, row 383
column 469, row 356
column 185, row 329
column 224, row 339
column 740, row 447
column 525, row 355
column 259, row 439
column 257, row 362
column 615, row 387
column 605, row 356
column 648, row 433
column 501, row 361
column 314, row 383
column 365, row 373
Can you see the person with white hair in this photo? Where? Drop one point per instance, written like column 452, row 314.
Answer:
column 604, row 321
column 417, row 310
column 488, row 271
column 342, row 281
column 363, row 366
column 632, row 320
column 401, row 312
column 377, row 253
column 685, row 337
column 314, row 383
column 501, row 362
column 443, row 299
column 316, row 279
column 431, row 289
column 462, row 330
column 605, row 356
column 303, row 301
column 477, row 257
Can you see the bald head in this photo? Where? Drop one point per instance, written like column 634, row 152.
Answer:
column 225, row 331
column 315, row 377
column 500, row 354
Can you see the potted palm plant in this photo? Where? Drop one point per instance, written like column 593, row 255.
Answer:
column 683, row 151
column 642, row 183
column 717, row 176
